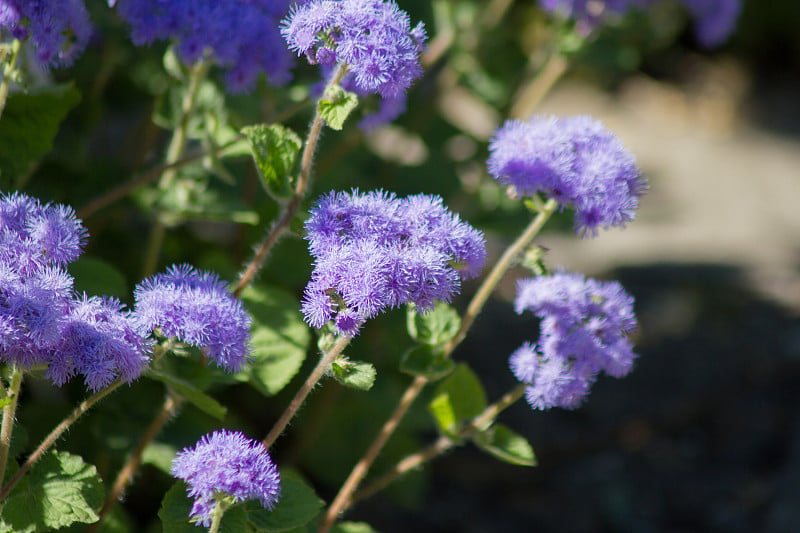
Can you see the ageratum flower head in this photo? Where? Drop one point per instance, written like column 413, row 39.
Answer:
column 241, row 36
column 58, row 29
column 226, row 464
column 101, row 341
column 714, row 19
column 574, row 160
column 373, row 38
column 584, row 331
column 375, row 251
column 197, row 308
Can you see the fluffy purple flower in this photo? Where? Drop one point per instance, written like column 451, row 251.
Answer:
column 242, row 36
column 101, row 341
column 374, row 251
column 58, row 29
column 574, row 160
column 229, row 463
column 373, row 38
column 584, row 328
column 197, row 308
column 714, row 21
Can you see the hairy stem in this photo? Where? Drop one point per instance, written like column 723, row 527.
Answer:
column 358, row 473
column 304, row 177
column 441, row 445
column 7, row 72
column 323, row 365
column 167, row 412
column 216, row 516
column 56, row 433
column 9, row 414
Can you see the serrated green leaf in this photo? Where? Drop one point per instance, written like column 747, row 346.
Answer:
column 274, row 148
column 29, row 125
column 427, row 362
column 358, row 375
column 336, row 105
column 194, row 395
column 353, row 527
column 59, row 490
column 435, row 327
column 279, row 338
column 298, row 506
column 160, row 455
column 174, row 514
column 97, row 277
column 457, row 399
column 506, row 445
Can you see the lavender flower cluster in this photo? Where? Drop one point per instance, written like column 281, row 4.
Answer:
column 373, row 38
column 58, row 29
column 229, row 463
column 584, row 328
column 241, row 35
column 196, row 308
column 574, row 160
column 714, row 19
column 374, row 251
column 41, row 323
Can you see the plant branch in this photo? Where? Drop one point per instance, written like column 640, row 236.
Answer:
column 529, row 96
column 304, row 177
column 9, row 414
column 322, row 367
column 56, row 433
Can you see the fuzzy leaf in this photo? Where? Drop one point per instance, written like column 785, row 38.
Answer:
column 354, row 374
column 279, row 338
column 506, row 445
column 427, row 362
column 435, row 327
column 175, row 508
column 195, row 396
column 336, row 106
column 457, row 399
column 298, row 506
column 59, row 490
column 275, row 148
column 29, row 125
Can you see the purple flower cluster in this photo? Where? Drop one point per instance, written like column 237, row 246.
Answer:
column 226, row 462
column 58, row 29
column 574, row 160
column 374, row 251
column 373, row 38
column 196, row 308
column 714, row 19
column 41, row 323
column 584, row 328
column 242, row 35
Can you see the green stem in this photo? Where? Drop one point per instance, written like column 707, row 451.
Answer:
column 16, row 44
column 303, row 180
column 216, row 516
column 9, row 414
column 313, row 378
column 360, row 470
column 56, row 433
column 441, row 445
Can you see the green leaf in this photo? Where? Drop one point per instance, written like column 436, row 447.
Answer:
column 29, row 125
column 336, row 105
column 59, row 490
column 172, row 65
column 358, row 375
column 195, row 396
column 95, row 277
column 353, row 527
column 435, row 327
column 506, row 445
column 275, row 150
column 174, row 514
column 457, row 399
column 427, row 362
column 279, row 338
column 159, row 455
column 298, row 506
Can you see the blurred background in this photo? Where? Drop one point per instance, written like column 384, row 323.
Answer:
column 704, row 435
